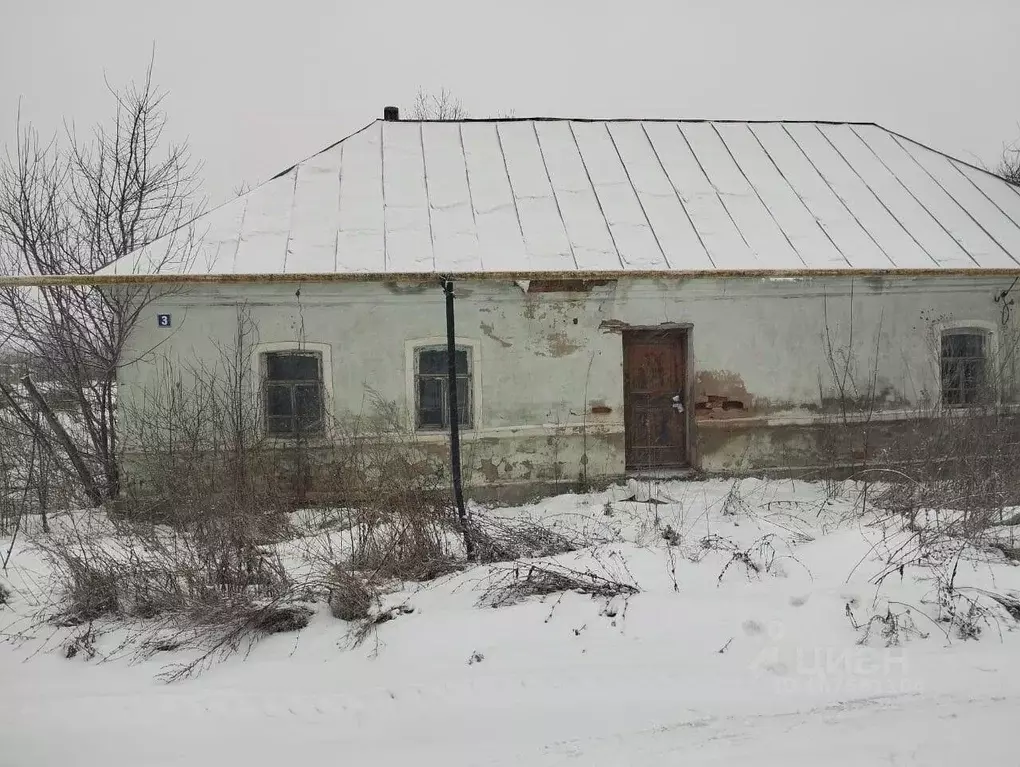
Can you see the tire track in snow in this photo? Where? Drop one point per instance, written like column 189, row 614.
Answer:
column 733, row 733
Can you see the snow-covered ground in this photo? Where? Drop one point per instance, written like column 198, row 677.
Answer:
column 739, row 649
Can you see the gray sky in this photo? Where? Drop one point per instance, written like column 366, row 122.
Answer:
column 257, row 86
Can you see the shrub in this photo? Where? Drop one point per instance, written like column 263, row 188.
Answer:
column 510, row 585
column 190, row 548
column 504, row 540
column 136, row 570
column 350, row 596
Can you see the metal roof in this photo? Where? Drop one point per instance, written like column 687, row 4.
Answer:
column 607, row 197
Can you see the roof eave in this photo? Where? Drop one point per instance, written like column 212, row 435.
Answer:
column 100, row 280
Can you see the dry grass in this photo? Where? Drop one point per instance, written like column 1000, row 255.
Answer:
column 960, row 460
column 221, row 630
column 893, row 626
column 512, row 584
column 506, row 540
column 142, row 572
column 367, row 626
column 208, row 585
column 350, row 596
column 406, row 548
column 757, row 559
column 191, row 556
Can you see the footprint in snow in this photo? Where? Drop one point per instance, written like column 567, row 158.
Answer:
column 752, row 627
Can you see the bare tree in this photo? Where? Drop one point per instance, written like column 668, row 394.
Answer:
column 73, row 207
column 1009, row 165
column 437, row 106
column 445, row 106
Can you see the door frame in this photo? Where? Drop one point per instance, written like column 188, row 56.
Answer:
column 684, row 331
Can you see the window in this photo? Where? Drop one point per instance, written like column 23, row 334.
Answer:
column 964, row 357
column 294, row 393
column 431, row 383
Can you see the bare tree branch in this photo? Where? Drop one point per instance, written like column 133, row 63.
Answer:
column 1009, row 163
column 1009, row 166
column 64, row 440
column 437, row 106
column 445, row 106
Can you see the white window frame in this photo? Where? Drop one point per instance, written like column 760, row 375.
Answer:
column 960, row 327
column 411, row 349
column 324, row 350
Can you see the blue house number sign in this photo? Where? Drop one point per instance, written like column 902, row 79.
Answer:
column 163, row 320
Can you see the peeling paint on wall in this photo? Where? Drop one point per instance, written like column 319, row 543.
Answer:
column 407, row 288
column 618, row 326
column 559, row 344
column 613, row 326
column 555, row 330
column 721, row 394
column 487, row 329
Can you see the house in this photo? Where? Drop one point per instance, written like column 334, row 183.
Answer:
column 630, row 295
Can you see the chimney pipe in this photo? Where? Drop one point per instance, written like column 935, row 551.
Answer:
column 391, row 114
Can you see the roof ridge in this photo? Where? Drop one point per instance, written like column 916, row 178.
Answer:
column 691, row 120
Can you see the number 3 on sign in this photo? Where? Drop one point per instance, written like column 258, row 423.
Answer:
column 163, row 320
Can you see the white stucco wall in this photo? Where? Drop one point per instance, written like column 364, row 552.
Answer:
column 543, row 360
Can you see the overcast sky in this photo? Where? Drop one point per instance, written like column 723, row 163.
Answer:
column 257, row 85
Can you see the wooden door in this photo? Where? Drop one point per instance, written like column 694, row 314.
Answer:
column 655, row 399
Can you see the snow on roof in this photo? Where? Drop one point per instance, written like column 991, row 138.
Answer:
column 545, row 196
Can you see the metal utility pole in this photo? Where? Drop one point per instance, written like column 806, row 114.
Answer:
column 451, row 354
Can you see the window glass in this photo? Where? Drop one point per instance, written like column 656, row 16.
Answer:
column 293, row 394
column 434, row 362
column 432, row 406
column 292, row 367
column 962, row 366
